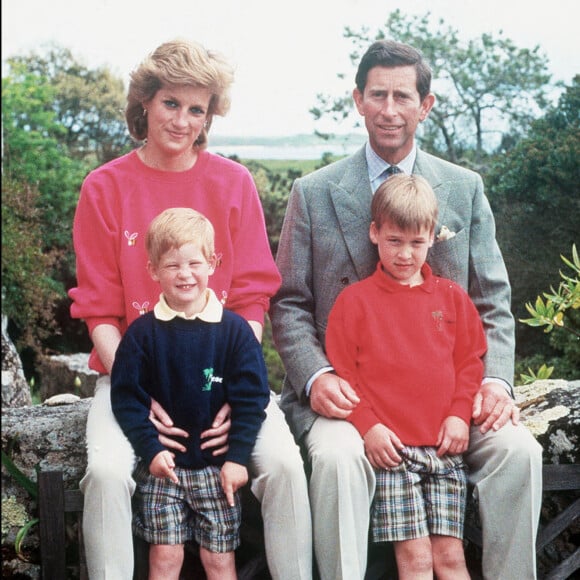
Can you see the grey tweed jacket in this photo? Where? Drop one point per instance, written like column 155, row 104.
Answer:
column 325, row 245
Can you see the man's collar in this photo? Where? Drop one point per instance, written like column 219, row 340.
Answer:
column 377, row 164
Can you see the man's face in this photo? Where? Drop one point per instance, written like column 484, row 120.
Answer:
column 392, row 109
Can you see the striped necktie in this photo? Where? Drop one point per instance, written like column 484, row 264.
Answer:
column 388, row 172
column 391, row 170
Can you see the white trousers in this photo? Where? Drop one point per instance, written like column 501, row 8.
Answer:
column 278, row 481
column 505, row 469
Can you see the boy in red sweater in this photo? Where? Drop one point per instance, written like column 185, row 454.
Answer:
column 411, row 344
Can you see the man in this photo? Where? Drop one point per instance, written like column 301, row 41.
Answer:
column 325, row 246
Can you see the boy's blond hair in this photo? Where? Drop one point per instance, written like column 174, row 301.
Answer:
column 408, row 201
column 175, row 227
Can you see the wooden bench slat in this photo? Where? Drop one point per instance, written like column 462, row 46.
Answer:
column 73, row 500
column 557, row 525
column 51, row 525
column 566, row 568
column 561, row 477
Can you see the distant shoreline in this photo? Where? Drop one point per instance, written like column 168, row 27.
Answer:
column 290, row 147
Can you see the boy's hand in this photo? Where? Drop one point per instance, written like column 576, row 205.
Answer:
column 163, row 423
column 453, row 437
column 233, row 476
column 382, row 446
column 163, row 466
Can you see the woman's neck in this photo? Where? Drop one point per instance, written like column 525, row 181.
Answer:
column 156, row 160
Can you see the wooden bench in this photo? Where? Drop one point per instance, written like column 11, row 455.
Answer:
column 555, row 478
column 55, row 502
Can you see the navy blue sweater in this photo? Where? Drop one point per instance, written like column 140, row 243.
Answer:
column 191, row 367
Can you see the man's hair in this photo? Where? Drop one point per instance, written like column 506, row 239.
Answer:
column 408, row 201
column 178, row 63
column 175, row 227
column 389, row 53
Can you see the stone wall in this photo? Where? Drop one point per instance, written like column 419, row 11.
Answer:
column 53, row 437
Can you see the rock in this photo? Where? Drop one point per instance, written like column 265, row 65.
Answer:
column 47, row 438
column 550, row 409
column 15, row 389
column 67, row 373
column 63, row 399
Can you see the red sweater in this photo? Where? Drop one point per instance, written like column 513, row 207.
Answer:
column 413, row 354
column 118, row 201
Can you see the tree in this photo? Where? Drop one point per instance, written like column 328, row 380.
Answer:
column 59, row 120
column 29, row 294
column 88, row 104
column 35, row 153
column 484, row 87
column 535, row 191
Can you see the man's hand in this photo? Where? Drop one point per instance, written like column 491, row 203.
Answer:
column 217, row 437
column 332, row 397
column 382, row 446
column 162, row 466
column 232, row 476
column 493, row 408
column 164, row 425
column 453, row 436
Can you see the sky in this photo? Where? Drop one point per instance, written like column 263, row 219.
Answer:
column 284, row 52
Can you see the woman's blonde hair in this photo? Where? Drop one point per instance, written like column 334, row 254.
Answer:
column 178, row 63
column 408, row 201
column 175, row 227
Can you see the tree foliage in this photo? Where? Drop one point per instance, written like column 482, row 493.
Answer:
column 29, row 293
column 88, row 103
column 485, row 86
column 59, row 120
column 535, row 190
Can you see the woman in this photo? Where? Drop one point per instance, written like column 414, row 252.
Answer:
column 173, row 96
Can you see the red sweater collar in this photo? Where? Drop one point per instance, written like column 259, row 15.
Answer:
column 385, row 282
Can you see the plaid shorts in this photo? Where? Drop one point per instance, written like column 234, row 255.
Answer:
column 196, row 508
column 424, row 495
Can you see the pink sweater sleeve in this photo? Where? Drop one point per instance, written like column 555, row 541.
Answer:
column 255, row 278
column 98, row 297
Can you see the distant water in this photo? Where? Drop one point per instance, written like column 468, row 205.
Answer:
column 284, row 151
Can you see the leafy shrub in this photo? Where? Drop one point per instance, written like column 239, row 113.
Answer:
column 29, row 292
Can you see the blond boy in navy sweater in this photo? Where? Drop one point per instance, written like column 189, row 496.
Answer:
column 191, row 355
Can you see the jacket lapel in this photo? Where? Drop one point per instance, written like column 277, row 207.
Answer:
column 431, row 169
column 351, row 196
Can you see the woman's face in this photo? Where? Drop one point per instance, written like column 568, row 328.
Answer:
column 175, row 118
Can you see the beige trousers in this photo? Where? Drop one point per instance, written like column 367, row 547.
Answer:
column 505, row 469
column 278, row 481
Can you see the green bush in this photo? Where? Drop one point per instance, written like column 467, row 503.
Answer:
column 29, row 292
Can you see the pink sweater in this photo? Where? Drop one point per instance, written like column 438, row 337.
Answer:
column 413, row 354
column 118, row 201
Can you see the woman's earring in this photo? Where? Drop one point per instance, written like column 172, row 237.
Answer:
column 144, row 112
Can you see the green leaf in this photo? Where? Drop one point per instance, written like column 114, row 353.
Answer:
column 21, row 536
